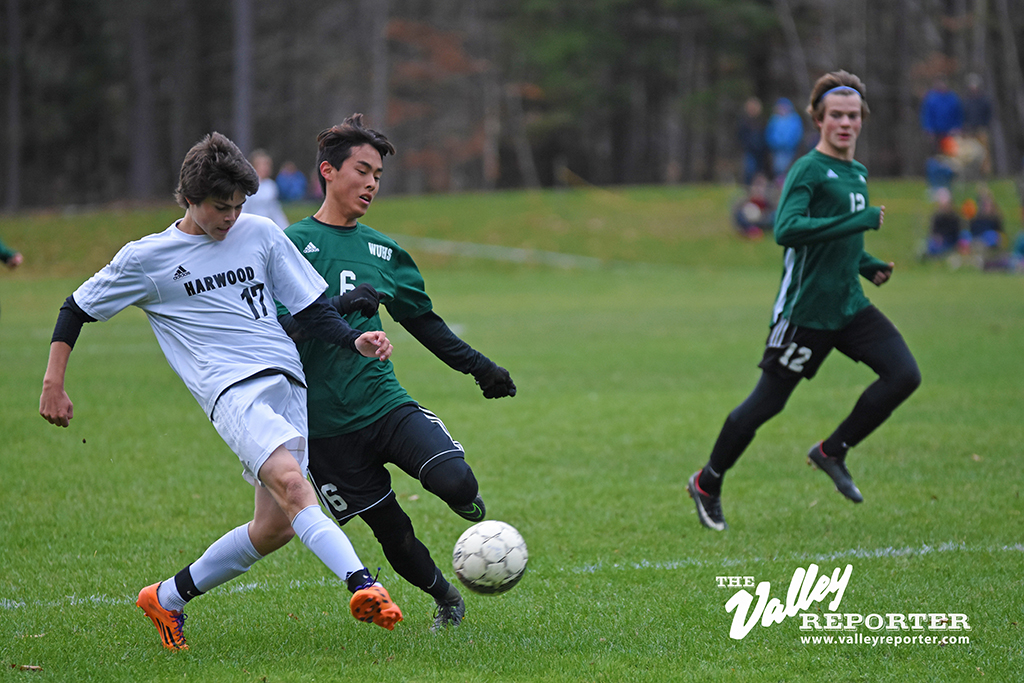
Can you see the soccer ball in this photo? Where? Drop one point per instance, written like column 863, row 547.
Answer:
column 490, row 557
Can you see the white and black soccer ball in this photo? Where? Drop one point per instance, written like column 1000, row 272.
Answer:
column 490, row 557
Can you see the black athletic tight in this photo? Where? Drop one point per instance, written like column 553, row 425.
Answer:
column 898, row 377
column 453, row 482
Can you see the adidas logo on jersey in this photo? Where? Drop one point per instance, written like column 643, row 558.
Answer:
column 180, row 273
column 831, row 174
column 862, row 179
column 310, row 249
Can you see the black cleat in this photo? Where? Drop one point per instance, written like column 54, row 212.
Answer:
column 709, row 508
column 450, row 610
column 835, row 468
column 474, row 512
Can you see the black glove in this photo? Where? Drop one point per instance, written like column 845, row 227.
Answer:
column 363, row 298
column 495, row 381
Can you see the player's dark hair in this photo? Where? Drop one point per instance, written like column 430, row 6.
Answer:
column 214, row 167
column 335, row 144
column 838, row 81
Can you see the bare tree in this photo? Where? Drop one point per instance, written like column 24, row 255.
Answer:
column 797, row 59
column 13, row 190
column 243, row 77
column 1014, row 81
column 523, row 151
column 183, row 75
column 142, row 128
column 378, row 11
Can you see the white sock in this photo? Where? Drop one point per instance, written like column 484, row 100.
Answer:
column 230, row 555
column 327, row 541
column 168, row 597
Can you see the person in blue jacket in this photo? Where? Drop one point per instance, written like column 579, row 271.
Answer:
column 783, row 134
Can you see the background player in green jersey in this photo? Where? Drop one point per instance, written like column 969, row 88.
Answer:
column 822, row 217
column 11, row 258
column 360, row 417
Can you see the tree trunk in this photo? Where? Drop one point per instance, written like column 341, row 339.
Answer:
column 1014, row 88
column 908, row 141
column 184, row 75
column 379, row 64
column 492, row 128
column 960, row 32
column 12, row 198
column 142, row 128
column 797, row 59
column 242, row 84
column 523, row 151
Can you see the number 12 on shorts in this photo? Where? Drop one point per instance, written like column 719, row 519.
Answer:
column 795, row 357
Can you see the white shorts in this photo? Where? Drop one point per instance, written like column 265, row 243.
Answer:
column 256, row 416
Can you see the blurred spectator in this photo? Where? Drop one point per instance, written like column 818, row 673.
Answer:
column 945, row 226
column 942, row 113
column 755, row 214
column 978, row 117
column 986, row 226
column 750, row 132
column 1016, row 260
column 315, row 192
column 957, row 158
column 784, row 133
column 265, row 202
column 291, row 183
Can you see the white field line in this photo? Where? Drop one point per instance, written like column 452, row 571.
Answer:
column 498, row 253
column 859, row 553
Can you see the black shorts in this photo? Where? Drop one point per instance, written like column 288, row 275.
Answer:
column 793, row 351
column 348, row 471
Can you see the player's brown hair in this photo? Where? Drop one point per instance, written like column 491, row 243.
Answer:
column 335, row 144
column 214, row 167
column 836, row 81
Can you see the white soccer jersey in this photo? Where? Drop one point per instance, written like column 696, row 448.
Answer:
column 210, row 303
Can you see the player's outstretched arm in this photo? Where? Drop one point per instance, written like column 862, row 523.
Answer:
column 431, row 331
column 363, row 298
column 322, row 321
column 54, row 404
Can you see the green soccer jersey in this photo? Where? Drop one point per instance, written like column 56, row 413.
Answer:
column 821, row 219
column 347, row 391
column 5, row 253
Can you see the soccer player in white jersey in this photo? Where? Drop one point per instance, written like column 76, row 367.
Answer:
column 208, row 284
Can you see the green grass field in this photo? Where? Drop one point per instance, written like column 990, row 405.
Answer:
column 625, row 374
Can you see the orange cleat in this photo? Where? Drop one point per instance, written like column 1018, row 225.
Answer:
column 167, row 623
column 373, row 604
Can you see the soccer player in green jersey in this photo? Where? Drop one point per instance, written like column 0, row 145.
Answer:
column 360, row 417
column 822, row 217
column 11, row 258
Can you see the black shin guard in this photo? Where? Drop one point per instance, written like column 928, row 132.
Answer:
column 185, row 585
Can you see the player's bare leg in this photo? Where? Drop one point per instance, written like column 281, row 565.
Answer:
column 294, row 495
